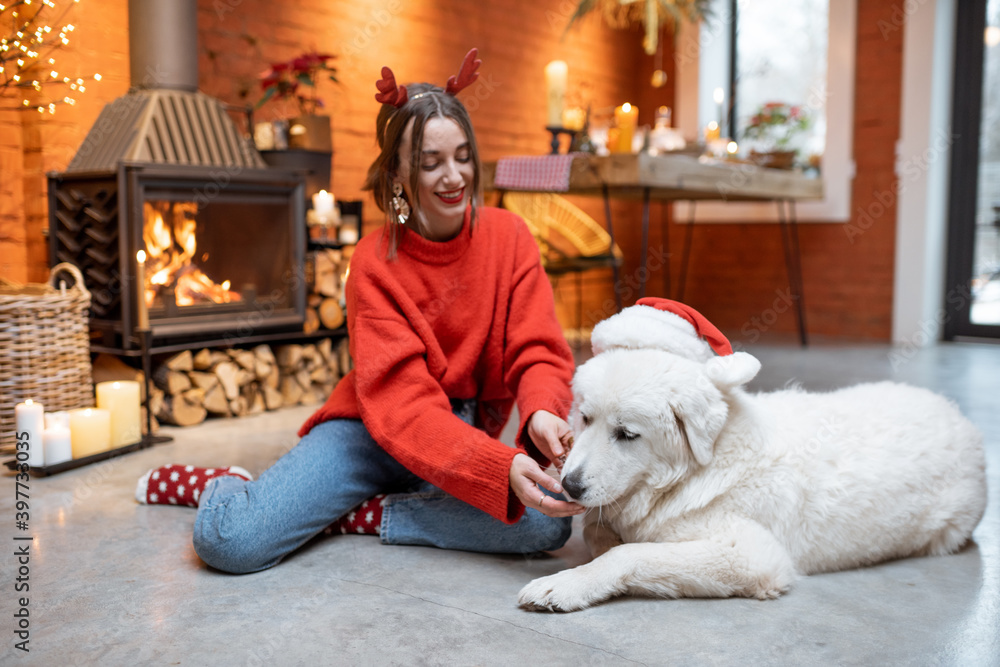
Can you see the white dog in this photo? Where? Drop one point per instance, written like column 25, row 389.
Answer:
column 699, row 489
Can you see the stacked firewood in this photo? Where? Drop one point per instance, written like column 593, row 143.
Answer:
column 326, row 271
column 189, row 387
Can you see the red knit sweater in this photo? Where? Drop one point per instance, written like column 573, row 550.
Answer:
column 472, row 317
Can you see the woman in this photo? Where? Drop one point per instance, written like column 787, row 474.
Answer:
column 450, row 320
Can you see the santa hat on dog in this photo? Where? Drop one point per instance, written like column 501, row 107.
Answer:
column 661, row 324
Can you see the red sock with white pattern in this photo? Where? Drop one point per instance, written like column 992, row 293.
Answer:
column 365, row 519
column 180, row 485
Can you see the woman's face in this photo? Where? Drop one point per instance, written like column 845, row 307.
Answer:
column 444, row 179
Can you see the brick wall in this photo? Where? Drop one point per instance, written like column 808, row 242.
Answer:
column 737, row 270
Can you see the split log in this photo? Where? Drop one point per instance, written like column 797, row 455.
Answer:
column 264, row 354
column 217, row 357
column 331, row 314
column 326, row 280
column 204, row 380
column 344, row 356
column 302, row 377
column 171, row 381
column 253, row 398
column 325, row 349
column 320, row 375
column 245, row 358
column 289, row 356
column 228, row 374
column 216, row 402
column 273, row 379
column 272, row 398
column 155, row 400
column 244, row 377
column 185, row 409
column 291, row 390
column 203, row 359
column 238, row 406
column 310, row 397
column 312, row 322
column 182, row 361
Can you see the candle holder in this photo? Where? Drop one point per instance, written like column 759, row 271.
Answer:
column 145, row 346
column 145, row 337
column 555, row 132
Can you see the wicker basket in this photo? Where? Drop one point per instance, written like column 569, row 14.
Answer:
column 44, row 347
column 561, row 230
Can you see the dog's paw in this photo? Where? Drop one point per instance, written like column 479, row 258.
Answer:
column 564, row 591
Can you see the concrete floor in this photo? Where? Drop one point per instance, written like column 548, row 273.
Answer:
column 116, row 583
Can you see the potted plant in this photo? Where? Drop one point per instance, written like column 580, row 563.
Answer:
column 773, row 129
column 296, row 80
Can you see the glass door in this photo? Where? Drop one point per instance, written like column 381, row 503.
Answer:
column 973, row 275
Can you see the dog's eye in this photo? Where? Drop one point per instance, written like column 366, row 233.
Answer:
column 587, row 420
column 625, row 434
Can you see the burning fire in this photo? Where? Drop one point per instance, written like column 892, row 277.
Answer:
column 168, row 231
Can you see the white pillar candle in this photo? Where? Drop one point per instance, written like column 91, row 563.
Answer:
column 90, row 431
column 556, row 75
column 122, row 400
column 29, row 424
column 58, row 419
column 323, row 202
column 58, row 445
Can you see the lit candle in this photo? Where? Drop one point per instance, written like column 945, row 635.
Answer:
column 556, row 75
column 58, row 445
column 122, row 400
column 323, row 202
column 29, row 424
column 140, row 280
column 711, row 132
column 627, row 119
column 90, row 431
column 719, row 96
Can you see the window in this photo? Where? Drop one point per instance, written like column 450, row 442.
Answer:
column 800, row 52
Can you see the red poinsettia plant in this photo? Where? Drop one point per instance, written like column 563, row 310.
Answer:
column 291, row 79
column 777, row 123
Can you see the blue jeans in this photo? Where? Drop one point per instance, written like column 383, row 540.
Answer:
column 250, row 526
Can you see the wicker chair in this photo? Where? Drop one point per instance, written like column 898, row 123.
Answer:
column 570, row 241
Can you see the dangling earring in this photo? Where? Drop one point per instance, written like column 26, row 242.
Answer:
column 400, row 205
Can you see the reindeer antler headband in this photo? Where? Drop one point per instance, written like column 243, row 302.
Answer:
column 391, row 93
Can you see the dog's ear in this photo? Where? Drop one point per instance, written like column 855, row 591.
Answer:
column 700, row 416
column 732, row 370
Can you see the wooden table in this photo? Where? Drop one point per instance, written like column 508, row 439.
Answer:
column 674, row 177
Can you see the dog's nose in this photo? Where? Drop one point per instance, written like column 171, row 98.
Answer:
column 573, row 484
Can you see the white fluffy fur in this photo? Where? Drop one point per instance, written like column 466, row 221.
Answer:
column 725, row 493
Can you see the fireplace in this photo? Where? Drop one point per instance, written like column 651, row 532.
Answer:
column 223, row 258
column 165, row 171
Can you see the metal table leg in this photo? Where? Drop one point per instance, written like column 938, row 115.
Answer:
column 793, row 262
column 644, row 271
column 686, row 253
column 611, row 233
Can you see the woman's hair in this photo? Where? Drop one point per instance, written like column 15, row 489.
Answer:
column 426, row 101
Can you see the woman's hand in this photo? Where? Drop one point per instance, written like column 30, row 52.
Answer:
column 525, row 477
column 552, row 436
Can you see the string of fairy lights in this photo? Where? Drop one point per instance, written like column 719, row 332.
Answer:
column 27, row 55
